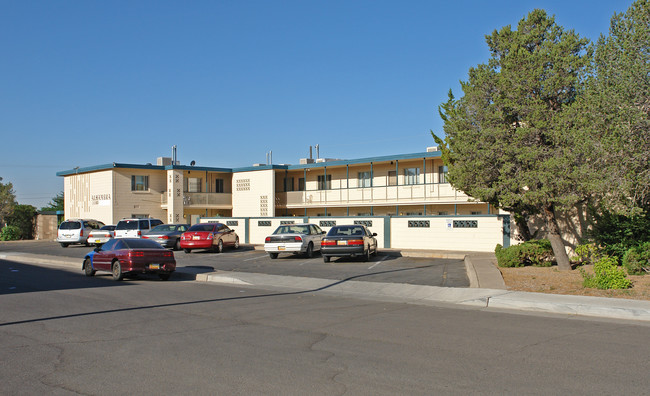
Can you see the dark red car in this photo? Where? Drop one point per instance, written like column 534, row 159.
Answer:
column 211, row 236
column 130, row 256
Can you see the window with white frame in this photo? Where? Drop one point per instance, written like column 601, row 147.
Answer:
column 193, row 185
column 411, row 175
column 218, row 185
column 442, row 174
column 324, row 183
column 139, row 183
column 364, row 179
column 392, row 178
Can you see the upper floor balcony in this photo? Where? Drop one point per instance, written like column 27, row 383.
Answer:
column 203, row 200
column 380, row 195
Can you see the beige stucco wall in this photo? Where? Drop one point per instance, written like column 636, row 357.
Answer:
column 253, row 194
column 89, row 196
column 128, row 203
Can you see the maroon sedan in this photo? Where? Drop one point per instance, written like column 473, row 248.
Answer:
column 130, row 256
column 211, row 236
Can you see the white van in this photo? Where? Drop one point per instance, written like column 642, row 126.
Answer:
column 76, row 231
column 134, row 228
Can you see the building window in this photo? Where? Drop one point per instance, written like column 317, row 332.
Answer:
column 443, row 213
column 288, row 184
column 193, row 185
column 301, row 184
column 364, row 179
column 324, row 182
column 218, row 185
column 442, row 174
column 139, row 183
column 392, row 178
column 476, row 212
column 411, row 175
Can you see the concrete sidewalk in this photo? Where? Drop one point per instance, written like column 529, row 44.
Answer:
column 487, row 287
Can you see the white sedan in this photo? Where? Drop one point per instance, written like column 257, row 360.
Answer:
column 294, row 238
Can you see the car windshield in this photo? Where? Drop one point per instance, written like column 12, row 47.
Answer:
column 142, row 244
column 292, row 229
column 202, row 227
column 127, row 225
column 345, row 231
column 164, row 228
column 70, row 225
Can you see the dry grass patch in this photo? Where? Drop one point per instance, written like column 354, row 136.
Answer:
column 551, row 280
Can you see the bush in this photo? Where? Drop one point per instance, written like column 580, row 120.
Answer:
column 538, row 253
column 607, row 275
column 10, row 233
column 617, row 233
column 588, row 253
column 637, row 258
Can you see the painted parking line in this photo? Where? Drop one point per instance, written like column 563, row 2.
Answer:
column 256, row 257
column 378, row 262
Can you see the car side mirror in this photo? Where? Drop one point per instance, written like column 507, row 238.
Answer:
column 97, row 248
column 374, row 234
column 322, row 232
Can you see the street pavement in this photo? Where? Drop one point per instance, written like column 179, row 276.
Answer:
column 487, row 289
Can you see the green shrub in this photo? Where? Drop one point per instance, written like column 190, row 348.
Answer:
column 588, row 253
column 607, row 275
column 637, row 258
column 538, row 253
column 10, row 233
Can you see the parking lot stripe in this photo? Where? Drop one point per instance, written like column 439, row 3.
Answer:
column 377, row 263
column 255, row 258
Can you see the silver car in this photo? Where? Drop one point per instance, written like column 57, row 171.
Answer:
column 294, row 238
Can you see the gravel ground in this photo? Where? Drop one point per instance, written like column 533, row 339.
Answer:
column 551, row 280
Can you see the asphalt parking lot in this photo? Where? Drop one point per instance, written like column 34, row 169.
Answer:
column 381, row 268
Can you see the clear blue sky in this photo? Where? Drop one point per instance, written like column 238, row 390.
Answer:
column 86, row 83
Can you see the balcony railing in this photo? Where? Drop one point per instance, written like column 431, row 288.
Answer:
column 204, row 200
column 379, row 195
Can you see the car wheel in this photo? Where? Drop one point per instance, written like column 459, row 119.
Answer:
column 273, row 255
column 310, row 250
column 220, row 246
column 88, row 268
column 64, row 244
column 165, row 276
column 187, row 250
column 366, row 255
column 177, row 245
column 236, row 243
column 117, row 271
column 326, row 259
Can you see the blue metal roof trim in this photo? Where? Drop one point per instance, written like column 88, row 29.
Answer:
column 432, row 154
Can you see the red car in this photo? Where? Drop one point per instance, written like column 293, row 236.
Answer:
column 130, row 256
column 211, row 236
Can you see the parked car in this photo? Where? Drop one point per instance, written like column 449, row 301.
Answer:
column 75, row 231
column 294, row 238
column 134, row 228
column 167, row 235
column 349, row 241
column 130, row 256
column 101, row 236
column 211, row 236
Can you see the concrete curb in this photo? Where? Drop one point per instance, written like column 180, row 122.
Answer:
column 482, row 297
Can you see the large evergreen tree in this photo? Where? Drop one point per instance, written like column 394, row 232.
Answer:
column 616, row 110
column 509, row 139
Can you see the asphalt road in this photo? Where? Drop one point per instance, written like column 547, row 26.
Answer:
column 62, row 333
column 381, row 268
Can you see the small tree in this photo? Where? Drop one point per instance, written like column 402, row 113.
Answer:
column 23, row 219
column 7, row 201
column 57, row 203
column 509, row 139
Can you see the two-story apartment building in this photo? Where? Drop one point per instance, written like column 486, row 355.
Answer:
column 395, row 185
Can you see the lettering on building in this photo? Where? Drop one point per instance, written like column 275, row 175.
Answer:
column 243, row 184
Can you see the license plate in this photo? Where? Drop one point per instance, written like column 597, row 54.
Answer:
column 97, row 241
column 341, row 242
column 195, row 237
column 154, row 266
column 281, row 248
